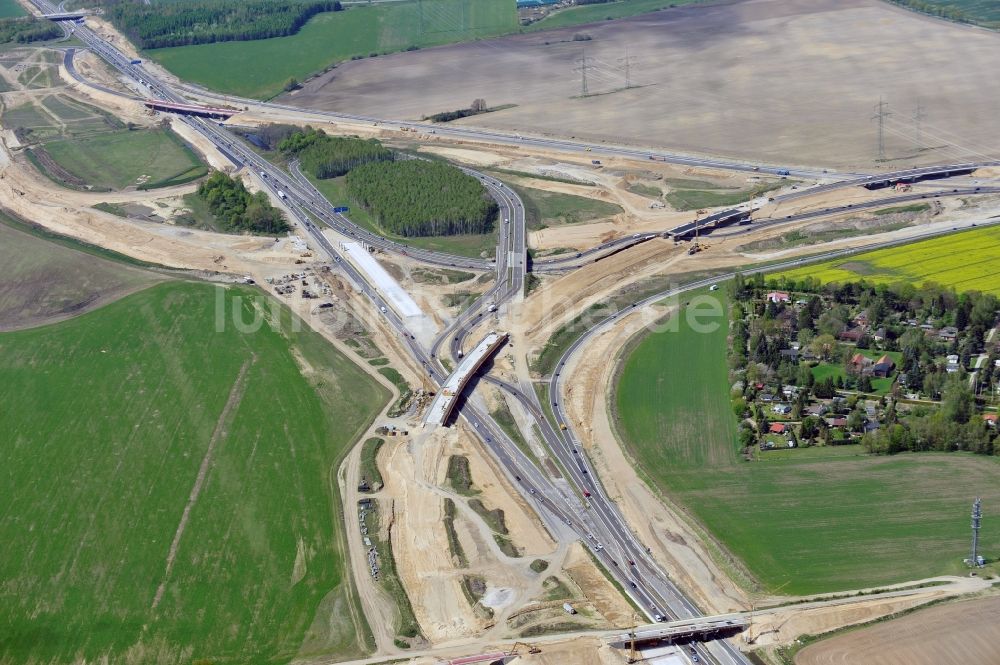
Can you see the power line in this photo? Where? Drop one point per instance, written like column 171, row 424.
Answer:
column 918, row 118
column 628, row 60
column 583, row 72
column 881, row 113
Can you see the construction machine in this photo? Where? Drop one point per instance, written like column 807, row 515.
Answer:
column 530, row 648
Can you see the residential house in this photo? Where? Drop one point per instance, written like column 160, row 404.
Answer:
column 788, row 320
column 790, row 354
column 777, row 428
column 781, row 409
column 778, row 296
column 836, row 421
column 990, row 419
column 851, row 335
column 859, row 363
column 883, row 367
column 766, row 397
column 948, row 334
column 817, row 410
column 789, row 391
column 879, row 335
column 952, row 365
column 861, row 320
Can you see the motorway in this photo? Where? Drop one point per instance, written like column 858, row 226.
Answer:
column 558, row 505
column 569, row 262
column 565, row 505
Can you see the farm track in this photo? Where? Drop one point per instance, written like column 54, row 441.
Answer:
column 235, row 395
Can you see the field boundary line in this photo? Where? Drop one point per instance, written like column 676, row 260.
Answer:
column 235, row 396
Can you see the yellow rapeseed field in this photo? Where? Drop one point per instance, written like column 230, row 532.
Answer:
column 967, row 261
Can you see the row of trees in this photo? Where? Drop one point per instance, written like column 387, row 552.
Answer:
column 332, row 156
column 239, row 210
column 27, row 29
column 422, row 198
column 948, row 10
column 478, row 106
column 163, row 24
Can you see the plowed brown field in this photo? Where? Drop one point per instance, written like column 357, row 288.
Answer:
column 966, row 632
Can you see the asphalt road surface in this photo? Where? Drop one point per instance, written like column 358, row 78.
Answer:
column 594, row 519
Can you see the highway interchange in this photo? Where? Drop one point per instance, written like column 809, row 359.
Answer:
column 576, row 506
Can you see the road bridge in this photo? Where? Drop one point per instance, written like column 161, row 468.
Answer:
column 65, row 16
column 918, row 175
column 445, row 400
column 689, row 629
column 190, row 109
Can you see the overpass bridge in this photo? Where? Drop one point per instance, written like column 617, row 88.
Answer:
column 703, row 628
column 918, row 175
column 445, row 400
column 65, row 16
column 713, row 221
column 189, row 109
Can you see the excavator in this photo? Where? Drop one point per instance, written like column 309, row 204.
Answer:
column 531, row 648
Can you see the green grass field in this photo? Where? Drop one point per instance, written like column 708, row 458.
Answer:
column 333, row 37
column 966, row 261
column 144, row 426
column 602, row 12
column 11, row 8
column 44, row 281
column 713, row 197
column 55, row 116
column 808, row 520
column 542, row 208
column 115, row 160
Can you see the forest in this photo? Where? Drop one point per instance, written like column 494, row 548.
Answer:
column 27, row 29
column 160, row 25
column 421, row 198
column 239, row 210
column 327, row 156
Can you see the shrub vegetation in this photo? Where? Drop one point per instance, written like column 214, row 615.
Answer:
column 239, row 210
column 27, row 29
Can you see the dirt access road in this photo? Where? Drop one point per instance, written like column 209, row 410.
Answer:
column 785, row 81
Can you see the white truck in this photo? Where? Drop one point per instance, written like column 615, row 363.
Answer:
column 281, row 195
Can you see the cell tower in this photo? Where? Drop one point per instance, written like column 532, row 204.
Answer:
column 977, row 518
column 881, row 113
